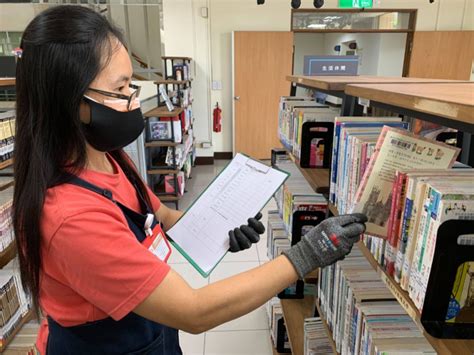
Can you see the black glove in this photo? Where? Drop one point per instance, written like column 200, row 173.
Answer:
column 243, row 237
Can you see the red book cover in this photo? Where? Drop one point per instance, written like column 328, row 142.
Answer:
column 399, row 197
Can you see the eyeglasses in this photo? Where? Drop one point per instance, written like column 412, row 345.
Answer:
column 136, row 91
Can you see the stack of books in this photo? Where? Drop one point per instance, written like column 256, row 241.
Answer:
column 407, row 191
column 361, row 312
column 15, row 303
column 428, row 199
column 294, row 112
column 353, row 145
column 297, row 196
column 315, row 337
column 278, row 331
column 6, row 228
column 277, row 236
column 7, row 135
column 181, row 152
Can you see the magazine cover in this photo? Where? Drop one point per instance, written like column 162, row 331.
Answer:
column 396, row 150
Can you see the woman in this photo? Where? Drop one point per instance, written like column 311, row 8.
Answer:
column 84, row 220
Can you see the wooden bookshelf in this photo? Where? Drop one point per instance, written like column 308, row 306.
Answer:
column 454, row 101
column 326, row 328
column 162, row 111
column 172, row 82
column 161, row 144
column 171, row 57
column 442, row 346
column 7, row 81
column 162, row 171
column 26, row 318
column 8, row 254
column 317, row 178
column 6, row 164
column 339, row 82
column 6, row 182
column 294, row 313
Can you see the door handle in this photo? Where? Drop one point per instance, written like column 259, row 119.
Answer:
column 236, row 98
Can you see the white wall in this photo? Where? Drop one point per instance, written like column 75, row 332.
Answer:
column 186, row 33
column 391, row 54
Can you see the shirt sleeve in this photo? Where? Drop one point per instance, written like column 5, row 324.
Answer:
column 104, row 262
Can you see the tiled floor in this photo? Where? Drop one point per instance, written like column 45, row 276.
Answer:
column 248, row 334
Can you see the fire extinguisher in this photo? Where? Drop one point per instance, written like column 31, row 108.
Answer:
column 217, row 113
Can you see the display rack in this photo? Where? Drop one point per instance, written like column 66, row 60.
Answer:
column 294, row 313
column 10, row 252
column 177, row 85
column 432, row 100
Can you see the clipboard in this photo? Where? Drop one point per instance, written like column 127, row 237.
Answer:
column 239, row 192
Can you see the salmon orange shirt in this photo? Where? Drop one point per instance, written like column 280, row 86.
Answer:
column 93, row 266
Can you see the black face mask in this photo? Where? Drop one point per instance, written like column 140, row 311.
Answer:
column 110, row 129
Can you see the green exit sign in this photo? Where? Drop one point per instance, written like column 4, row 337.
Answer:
column 355, row 3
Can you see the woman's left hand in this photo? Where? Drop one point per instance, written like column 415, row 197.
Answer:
column 243, row 237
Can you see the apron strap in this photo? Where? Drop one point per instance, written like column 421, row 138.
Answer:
column 140, row 224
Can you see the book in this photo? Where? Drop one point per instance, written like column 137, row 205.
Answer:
column 416, row 195
column 351, row 122
column 396, row 149
column 461, row 304
column 445, row 200
column 407, row 210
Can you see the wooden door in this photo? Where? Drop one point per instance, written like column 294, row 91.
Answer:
column 262, row 60
column 442, row 55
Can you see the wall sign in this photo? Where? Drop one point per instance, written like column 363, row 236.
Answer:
column 355, row 3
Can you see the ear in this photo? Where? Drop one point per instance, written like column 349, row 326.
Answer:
column 85, row 112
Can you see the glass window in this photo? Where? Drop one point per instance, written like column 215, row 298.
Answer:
column 350, row 21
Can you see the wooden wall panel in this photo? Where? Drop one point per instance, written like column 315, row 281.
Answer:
column 442, row 55
column 262, row 60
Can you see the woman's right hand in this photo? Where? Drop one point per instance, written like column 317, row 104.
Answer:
column 328, row 242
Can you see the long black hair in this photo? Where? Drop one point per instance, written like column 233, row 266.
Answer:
column 64, row 49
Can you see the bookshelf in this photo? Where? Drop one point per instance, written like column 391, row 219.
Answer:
column 6, row 182
column 25, row 319
column 9, row 253
column 172, row 82
column 7, row 81
column 339, row 83
column 169, row 145
column 446, row 102
column 294, row 313
column 326, row 328
column 6, row 164
column 162, row 111
column 442, row 346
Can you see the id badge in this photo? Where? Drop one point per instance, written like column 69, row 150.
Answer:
column 158, row 245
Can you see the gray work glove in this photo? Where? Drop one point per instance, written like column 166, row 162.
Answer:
column 328, row 242
column 243, row 237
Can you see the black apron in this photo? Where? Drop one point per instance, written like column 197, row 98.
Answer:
column 133, row 334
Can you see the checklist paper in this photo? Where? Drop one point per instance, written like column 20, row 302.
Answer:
column 239, row 192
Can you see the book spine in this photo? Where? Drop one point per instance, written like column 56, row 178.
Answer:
column 412, row 233
column 418, row 249
column 395, row 189
column 334, row 161
column 394, row 231
column 404, row 222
